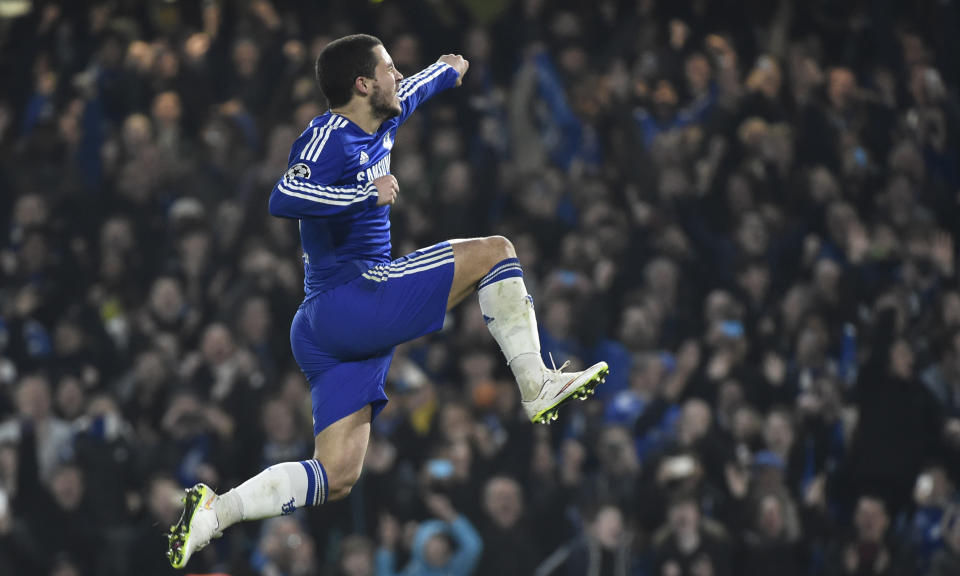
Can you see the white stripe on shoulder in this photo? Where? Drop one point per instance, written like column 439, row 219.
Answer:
column 303, row 153
column 338, row 124
column 320, row 135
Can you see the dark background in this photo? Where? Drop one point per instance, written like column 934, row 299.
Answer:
column 749, row 209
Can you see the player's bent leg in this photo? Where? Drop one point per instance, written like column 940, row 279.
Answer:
column 342, row 447
column 339, row 450
column 473, row 259
column 490, row 266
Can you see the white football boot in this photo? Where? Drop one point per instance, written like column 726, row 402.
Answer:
column 559, row 388
column 198, row 525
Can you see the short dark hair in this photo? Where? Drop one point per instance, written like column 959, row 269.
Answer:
column 341, row 62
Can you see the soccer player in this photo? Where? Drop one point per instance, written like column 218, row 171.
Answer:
column 359, row 304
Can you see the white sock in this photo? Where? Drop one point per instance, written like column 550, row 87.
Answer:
column 508, row 311
column 277, row 491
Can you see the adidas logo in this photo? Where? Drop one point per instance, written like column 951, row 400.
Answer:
column 364, row 158
column 288, row 508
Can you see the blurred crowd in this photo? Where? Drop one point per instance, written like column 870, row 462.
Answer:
column 748, row 208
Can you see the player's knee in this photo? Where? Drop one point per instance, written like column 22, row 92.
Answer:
column 341, row 477
column 341, row 487
column 501, row 248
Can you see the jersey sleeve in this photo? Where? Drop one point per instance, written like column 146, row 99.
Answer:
column 308, row 189
column 423, row 85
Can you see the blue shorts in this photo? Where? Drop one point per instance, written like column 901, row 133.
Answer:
column 343, row 338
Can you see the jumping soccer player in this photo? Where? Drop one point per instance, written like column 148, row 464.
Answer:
column 359, row 304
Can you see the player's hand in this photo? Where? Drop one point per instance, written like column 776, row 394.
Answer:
column 388, row 190
column 458, row 63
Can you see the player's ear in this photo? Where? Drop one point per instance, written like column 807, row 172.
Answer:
column 362, row 85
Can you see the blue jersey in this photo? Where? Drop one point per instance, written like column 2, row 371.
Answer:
column 329, row 187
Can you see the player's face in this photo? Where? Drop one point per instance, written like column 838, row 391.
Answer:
column 386, row 82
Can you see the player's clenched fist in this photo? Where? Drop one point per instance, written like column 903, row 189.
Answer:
column 388, row 190
column 458, row 63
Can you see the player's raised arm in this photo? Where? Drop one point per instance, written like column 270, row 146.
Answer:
column 447, row 72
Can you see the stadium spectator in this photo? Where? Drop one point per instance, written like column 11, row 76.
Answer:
column 751, row 214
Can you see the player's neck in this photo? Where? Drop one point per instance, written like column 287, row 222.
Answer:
column 361, row 115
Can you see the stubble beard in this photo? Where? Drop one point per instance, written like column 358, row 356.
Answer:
column 383, row 104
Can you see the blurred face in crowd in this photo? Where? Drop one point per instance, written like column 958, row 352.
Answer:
column 871, row 519
column 752, row 234
column 278, row 422
column 166, row 300
column 356, row 556
column 67, row 487
column 405, row 51
column 901, row 360
column 607, row 527
column 559, row 318
column 288, row 546
column 664, row 98
column 739, row 194
column 195, row 253
column 33, row 397
column 33, row 253
column 137, row 133
column 697, row 70
column 117, row 235
column 503, row 501
column 661, row 277
column 778, row 433
column 811, row 343
column 684, row 518
column 70, row 397
column 729, row 398
column 437, row 551
column 771, row 519
column 255, row 320
column 646, row 375
column 841, row 86
column 719, row 305
column 30, row 210
column 899, row 201
column 823, row 189
column 217, row 345
column 67, row 339
column 755, row 280
column 163, row 500
column 149, row 371
column 479, row 45
column 616, row 452
column 246, row 57
column 694, row 422
column 167, row 109
column 638, row 328
column 456, row 423
column 746, row 423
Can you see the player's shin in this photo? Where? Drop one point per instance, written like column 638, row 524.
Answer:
column 277, row 491
column 508, row 312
